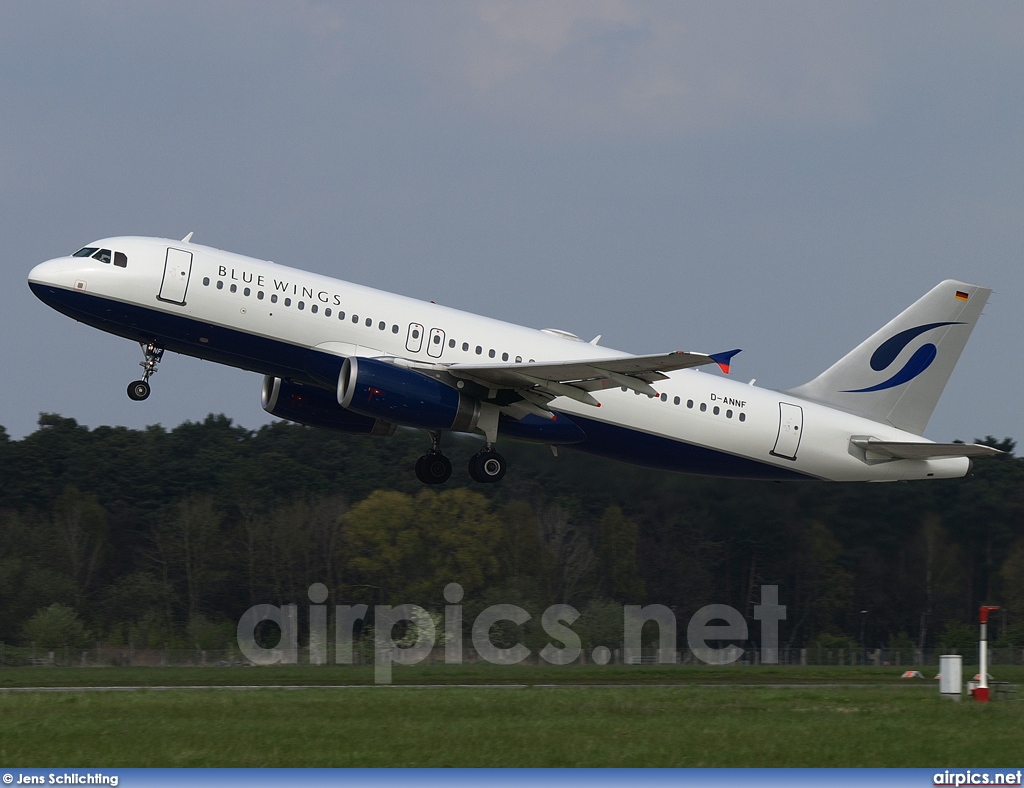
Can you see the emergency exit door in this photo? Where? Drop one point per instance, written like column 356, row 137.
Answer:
column 177, row 269
column 791, row 426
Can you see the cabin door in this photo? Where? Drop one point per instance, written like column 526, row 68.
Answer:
column 791, row 425
column 177, row 269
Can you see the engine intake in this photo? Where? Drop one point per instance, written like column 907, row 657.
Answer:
column 404, row 396
column 316, row 407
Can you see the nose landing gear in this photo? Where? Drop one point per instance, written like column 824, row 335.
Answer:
column 139, row 390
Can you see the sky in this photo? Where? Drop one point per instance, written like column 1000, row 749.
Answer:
column 780, row 177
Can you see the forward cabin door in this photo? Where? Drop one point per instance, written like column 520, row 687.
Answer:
column 791, row 425
column 177, row 269
column 414, row 339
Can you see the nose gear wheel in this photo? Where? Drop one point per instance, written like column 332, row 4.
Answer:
column 139, row 390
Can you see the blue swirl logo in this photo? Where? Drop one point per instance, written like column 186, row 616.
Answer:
column 887, row 352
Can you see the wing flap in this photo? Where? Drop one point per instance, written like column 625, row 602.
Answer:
column 647, row 369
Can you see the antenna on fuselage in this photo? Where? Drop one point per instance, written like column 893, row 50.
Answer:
column 187, row 238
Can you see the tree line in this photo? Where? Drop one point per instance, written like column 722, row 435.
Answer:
column 160, row 537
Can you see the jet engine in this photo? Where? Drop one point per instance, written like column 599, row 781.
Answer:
column 316, row 407
column 385, row 391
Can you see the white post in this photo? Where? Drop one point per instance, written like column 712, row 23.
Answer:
column 981, row 691
column 983, row 654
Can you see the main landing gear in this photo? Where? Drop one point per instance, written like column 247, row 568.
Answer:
column 138, row 390
column 433, row 467
column 486, row 466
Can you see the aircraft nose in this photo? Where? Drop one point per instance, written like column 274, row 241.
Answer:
column 47, row 273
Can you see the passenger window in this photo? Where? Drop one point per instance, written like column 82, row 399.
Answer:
column 220, row 285
column 273, row 297
column 743, row 417
column 355, row 318
column 717, row 410
column 287, row 301
column 382, row 325
column 519, row 359
column 490, row 353
column 437, row 339
column 103, row 255
column 369, row 322
column 504, row 356
column 234, row 288
column 246, row 292
column 465, row 346
column 664, row 397
column 479, row 350
column 703, row 407
column 394, row 329
column 120, row 259
column 451, row 343
column 341, row 315
column 259, row 295
column 327, row 312
column 302, row 305
column 675, row 401
column 206, row 281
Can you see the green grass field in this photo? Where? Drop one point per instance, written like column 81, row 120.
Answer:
column 733, row 716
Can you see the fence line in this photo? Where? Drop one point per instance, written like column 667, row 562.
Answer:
column 101, row 654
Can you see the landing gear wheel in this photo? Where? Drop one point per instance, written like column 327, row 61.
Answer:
column 487, row 466
column 433, row 468
column 138, row 390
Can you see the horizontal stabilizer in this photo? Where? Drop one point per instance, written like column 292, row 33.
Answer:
column 923, row 450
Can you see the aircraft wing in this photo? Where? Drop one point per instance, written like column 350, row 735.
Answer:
column 912, row 450
column 576, row 378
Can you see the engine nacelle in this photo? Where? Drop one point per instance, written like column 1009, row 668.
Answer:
column 404, row 396
column 317, row 408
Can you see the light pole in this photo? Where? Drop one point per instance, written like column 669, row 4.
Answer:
column 863, row 618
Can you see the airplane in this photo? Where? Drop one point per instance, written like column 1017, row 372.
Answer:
column 345, row 357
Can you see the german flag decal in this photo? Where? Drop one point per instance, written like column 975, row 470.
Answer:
column 961, row 295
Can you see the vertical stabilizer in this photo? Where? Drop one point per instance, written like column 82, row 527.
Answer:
column 897, row 375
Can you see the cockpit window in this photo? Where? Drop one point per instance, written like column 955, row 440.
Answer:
column 121, row 259
column 86, row 252
column 103, row 255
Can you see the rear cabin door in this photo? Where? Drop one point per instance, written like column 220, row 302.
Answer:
column 791, row 425
column 177, row 269
column 435, row 343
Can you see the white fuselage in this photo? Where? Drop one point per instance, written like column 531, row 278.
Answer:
column 276, row 320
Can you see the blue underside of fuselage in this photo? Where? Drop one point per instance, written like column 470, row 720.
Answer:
column 181, row 334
